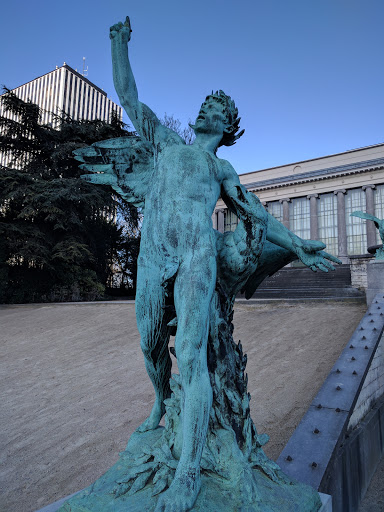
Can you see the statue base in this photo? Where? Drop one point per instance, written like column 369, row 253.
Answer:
column 375, row 278
column 215, row 494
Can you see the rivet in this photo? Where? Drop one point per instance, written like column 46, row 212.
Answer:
column 338, row 388
column 316, row 431
column 361, row 328
column 314, row 464
column 378, row 307
column 369, row 314
column 371, row 320
column 338, row 371
column 351, row 346
column 319, row 406
column 289, row 458
column 374, row 329
column 354, row 372
column 376, row 301
column 353, row 358
column 381, row 314
column 363, row 338
column 366, row 347
column 337, row 409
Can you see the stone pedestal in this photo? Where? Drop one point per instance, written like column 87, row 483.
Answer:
column 375, row 279
column 358, row 266
column 326, row 503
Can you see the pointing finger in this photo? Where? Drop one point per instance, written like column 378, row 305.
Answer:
column 128, row 23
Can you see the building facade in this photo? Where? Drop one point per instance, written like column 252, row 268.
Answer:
column 315, row 198
column 66, row 90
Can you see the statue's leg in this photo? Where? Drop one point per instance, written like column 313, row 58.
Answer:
column 152, row 320
column 194, row 287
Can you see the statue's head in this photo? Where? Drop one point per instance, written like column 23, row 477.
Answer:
column 225, row 110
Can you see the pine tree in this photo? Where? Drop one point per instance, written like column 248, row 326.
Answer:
column 58, row 234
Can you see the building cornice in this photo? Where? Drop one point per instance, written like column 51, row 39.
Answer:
column 79, row 75
column 300, row 162
column 318, row 175
column 65, row 66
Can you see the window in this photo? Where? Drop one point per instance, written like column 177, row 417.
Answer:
column 299, row 217
column 379, row 206
column 327, row 222
column 230, row 221
column 356, row 227
column 275, row 208
column 71, row 95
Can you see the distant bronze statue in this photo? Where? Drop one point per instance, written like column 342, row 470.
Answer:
column 379, row 225
column 188, row 278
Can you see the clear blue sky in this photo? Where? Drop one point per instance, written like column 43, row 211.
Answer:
column 306, row 75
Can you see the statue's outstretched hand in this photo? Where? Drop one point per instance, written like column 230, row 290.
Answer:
column 312, row 255
column 122, row 31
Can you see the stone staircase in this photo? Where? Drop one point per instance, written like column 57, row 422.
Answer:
column 302, row 283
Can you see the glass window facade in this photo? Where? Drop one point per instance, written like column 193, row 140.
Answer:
column 275, row 208
column 299, row 217
column 327, row 222
column 230, row 221
column 356, row 227
column 379, row 206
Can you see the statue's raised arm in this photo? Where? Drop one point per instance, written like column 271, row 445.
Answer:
column 143, row 119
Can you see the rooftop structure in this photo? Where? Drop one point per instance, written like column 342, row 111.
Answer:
column 66, row 90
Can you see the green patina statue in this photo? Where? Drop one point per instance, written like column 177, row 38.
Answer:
column 380, row 226
column 208, row 456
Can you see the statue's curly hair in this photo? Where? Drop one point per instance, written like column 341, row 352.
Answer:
column 228, row 138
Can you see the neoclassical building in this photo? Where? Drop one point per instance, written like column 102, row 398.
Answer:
column 314, row 198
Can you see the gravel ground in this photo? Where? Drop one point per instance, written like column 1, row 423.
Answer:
column 74, row 387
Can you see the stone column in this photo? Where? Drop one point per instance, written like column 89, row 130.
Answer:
column 220, row 220
column 341, row 225
column 214, row 219
column 314, row 224
column 370, row 208
column 285, row 203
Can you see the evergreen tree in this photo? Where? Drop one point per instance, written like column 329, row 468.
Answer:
column 58, row 234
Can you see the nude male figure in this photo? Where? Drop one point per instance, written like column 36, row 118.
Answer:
column 178, row 249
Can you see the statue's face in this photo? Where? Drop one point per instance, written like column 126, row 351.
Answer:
column 212, row 117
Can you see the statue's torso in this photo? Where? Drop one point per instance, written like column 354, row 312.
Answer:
column 179, row 206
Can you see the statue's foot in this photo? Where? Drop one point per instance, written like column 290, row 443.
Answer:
column 154, row 418
column 182, row 494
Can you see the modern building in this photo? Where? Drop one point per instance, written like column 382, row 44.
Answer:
column 314, row 198
column 66, row 90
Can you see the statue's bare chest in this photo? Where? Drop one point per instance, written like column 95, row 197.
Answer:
column 187, row 163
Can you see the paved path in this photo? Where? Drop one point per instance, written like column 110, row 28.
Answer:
column 73, row 385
